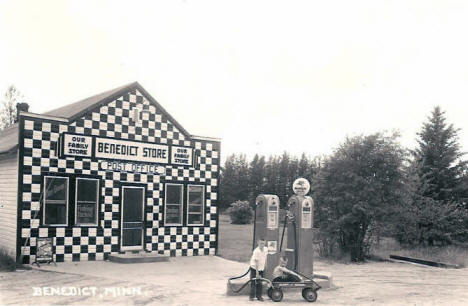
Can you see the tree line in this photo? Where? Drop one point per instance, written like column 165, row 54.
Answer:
column 370, row 186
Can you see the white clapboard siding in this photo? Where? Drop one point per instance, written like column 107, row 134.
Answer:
column 8, row 201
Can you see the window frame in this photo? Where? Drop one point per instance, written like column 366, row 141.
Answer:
column 76, row 201
column 202, row 212
column 44, row 200
column 181, row 214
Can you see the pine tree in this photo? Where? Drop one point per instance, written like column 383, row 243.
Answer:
column 242, row 178
column 271, row 175
column 227, row 182
column 256, row 177
column 284, row 178
column 420, row 219
column 234, row 182
column 440, row 158
column 303, row 167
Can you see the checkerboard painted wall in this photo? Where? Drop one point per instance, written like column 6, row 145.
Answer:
column 114, row 120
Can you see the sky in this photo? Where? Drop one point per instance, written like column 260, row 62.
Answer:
column 264, row 76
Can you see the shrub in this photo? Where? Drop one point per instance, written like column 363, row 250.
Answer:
column 7, row 262
column 432, row 223
column 240, row 212
column 326, row 243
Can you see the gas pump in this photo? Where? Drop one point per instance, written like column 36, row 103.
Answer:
column 299, row 220
column 300, row 235
column 299, row 250
column 267, row 227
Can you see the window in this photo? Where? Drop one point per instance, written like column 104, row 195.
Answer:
column 136, row 115
column 174, row 203
column 195, row 204
column 87, row 192
column 55, row 200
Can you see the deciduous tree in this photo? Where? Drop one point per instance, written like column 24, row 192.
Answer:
column 8, row 111
column 356, row 189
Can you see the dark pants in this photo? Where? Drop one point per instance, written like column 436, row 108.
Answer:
column 256, row 286
column 287, row 278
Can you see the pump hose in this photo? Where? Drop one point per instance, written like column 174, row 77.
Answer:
column 284, row 229
column 241, row 276
column 251, row 280
column 295, row 245
column 253, row 247
column 295, row 240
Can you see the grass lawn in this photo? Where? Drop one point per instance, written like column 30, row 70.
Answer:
column 235, row 240
column 235, row 243
column 447, row 254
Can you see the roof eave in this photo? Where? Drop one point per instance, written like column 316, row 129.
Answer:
column 42, row 116
column 104, row 101
column 205, row 138
column 163, row 110
column 10, row 150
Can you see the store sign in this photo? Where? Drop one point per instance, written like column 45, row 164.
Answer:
column 56, row 188
column 75, row 145
column 131, row 150
column 181, row 156
column 86, row 211
column 301, row 186
column 115, row 149
column 44, row 250
column 131, row 167
column 306, row 221
column 272, row 247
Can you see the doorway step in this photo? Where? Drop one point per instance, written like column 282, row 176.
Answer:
column 139, row 257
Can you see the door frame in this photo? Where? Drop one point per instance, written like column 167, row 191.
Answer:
column 137, row 247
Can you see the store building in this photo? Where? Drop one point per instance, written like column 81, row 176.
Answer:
column 108, row 174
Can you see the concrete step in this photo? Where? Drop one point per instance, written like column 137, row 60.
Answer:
column 141, row 257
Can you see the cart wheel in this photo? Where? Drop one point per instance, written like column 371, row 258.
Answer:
column 309, row 294
column 270, row 290
column 276, row 294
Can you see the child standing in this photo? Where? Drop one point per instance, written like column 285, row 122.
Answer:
column 257, row 267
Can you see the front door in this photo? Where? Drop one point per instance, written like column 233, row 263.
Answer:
column 132, row 218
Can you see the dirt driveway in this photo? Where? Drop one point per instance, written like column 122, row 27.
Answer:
column 202, row 281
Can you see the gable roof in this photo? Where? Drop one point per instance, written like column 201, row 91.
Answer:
column 78, row 109
column 73, row 111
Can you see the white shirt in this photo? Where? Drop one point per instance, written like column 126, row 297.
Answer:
column 278, row 272
column 260, row 256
